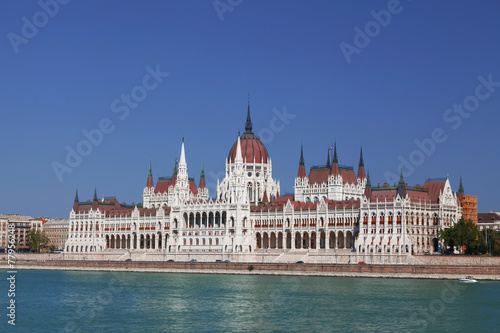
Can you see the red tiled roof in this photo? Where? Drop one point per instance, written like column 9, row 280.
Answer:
column 163, row 185
column 202, row 182
column 434, row 188
column 384, row 195
column 487, row 217
column 319, row 175
column 251, row 147
column 361, row 172
column 302, row 172
column 192, row 187
column 280, row 203
column 348, row 176
column 417, row 196
column 149, row 183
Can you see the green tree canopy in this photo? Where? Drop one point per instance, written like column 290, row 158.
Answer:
column 37, row 240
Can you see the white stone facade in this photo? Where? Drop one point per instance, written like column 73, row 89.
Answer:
column 333, row 210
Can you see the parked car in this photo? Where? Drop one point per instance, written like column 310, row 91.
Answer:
column 361, row 263
column 226, row 260
column 300, row 262
column 193, row 260
column 170, row 260
column 218, row 260
column 128, row 260
column 427, row 253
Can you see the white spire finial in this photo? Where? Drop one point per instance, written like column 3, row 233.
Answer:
column 238, row 158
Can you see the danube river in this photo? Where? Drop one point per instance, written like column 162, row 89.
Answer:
column 69, row 301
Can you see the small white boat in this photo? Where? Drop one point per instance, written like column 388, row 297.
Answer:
column 468, row 279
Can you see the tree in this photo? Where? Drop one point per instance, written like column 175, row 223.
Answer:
column 37, row 240
column 464, row 234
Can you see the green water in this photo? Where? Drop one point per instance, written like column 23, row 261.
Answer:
column 65, row 301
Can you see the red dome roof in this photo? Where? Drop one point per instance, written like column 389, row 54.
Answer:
column 251, row 148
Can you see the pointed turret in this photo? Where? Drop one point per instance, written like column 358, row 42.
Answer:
column 76, row 202
column 361, row 168
column 149, row 183
column 461, row 194
column 202, row 178
column 368, row 188
column 264, row 197
column 335, row 163
column 175, row 171
column 328, row 158
column 182, row 171
column 248, row 124
column 238, row 158
column 401, row 179
column 401, row 185
column 302, row 168
column 95, row 201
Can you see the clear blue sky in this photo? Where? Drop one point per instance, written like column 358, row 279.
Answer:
column 285, row 54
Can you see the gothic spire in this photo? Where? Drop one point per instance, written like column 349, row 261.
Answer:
column 335, row 163
column 401, row 179
column 76, row 196
column 460, row 187
column 202, row 177
column 95, row 195
column 175, row 171
column 335, row 159
column 301, row 162
column 302, row 168
column 238, row 158
column 248, row 124
column 368, row 182
column 149, row 182
column 328, row 158
column 361, row 168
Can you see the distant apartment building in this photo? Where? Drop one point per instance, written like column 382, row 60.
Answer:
column 469, row 204
column 489, row 220
column 57, row 230
column 22, row 225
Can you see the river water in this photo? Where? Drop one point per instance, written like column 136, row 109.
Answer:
column 68, row 301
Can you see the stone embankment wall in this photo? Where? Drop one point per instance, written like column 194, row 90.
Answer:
column 403, row 271
column 459, row 260
column 310, row 257
column 276, row 257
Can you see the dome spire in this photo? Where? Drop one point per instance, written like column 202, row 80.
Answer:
column 248, row 124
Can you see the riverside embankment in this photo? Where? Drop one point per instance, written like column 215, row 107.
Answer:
column 429, row 271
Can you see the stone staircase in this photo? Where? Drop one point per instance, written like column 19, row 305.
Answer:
column 292, row 256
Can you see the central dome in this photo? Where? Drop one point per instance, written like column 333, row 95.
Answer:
column 251, row 146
